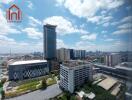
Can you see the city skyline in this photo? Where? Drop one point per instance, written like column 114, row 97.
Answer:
column 101, row 25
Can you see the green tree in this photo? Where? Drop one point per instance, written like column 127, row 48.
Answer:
column 3, row 94
column 44, row 84
column 3, row 80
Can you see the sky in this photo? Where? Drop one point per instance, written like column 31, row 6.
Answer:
column 104, row 25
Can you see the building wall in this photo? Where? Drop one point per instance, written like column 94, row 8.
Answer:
column 49, row 42
column 63, row 54
column 20, row 72
column 79, row 54
column 112, row 59
column 70, row 78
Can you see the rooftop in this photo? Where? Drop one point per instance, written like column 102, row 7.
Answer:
column 116, row 90
column 49, row 25
column 107, row 83
column 28, row 62
column 89, row 95
column 74, row 63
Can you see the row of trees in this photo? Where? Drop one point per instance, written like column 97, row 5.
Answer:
column 2, row 92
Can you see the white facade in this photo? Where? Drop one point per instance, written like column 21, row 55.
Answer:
column 63, row 54
column 112, row 59
column 79, row 54
column 71, row 77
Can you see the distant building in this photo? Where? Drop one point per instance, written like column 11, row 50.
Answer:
column 63, row 54
column 112, row 59
column 79, row 54
column 49, row 42
column 21, row 70
column 72, row 54
column 75, row 73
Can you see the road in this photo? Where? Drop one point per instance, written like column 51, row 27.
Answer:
column 50, row 92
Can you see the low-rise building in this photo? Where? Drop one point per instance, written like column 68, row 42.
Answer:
column 75, row 73
column 20, row 70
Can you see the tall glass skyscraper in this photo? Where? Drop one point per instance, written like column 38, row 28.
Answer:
column 49, row 42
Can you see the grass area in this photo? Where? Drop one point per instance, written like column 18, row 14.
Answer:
column 51, row 81
column 28, row 85
column 31, row 86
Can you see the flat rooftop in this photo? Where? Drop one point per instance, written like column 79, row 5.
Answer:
column 28, row 62
column 116, row 90
column 74, row 63
column 107, row 83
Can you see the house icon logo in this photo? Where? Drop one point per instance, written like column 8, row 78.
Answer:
column 14, row 14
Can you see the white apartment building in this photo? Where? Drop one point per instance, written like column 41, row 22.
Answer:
column 63, row 54
column 112, row 59
column 74, row 73
column 79, row 54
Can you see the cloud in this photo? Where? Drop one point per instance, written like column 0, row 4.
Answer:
column 6, row 28
column 61, row 44
column 103, row 32
column 30, row 4
column 33, row 21
column 109, row 39
column 33, row 33
column 125, row 26
column 114, row 23
column 106, row 24
column 89, row 37
column 5, row 39
column 85, row 45
column 99, row 19
column 64, row 26
column 21, row 47
column 110, row 47
column 122, row 31
column 6, row 1
column 88, row 8
column 127, row 19
column 7, row 43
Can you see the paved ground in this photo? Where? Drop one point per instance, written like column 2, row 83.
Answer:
column 50, row 92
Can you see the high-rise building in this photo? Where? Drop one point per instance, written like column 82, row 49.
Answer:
column 49, row 42
column 72, row 54
column 112, row 59
column 75, row 73
column 79, row 54
column 63, row 54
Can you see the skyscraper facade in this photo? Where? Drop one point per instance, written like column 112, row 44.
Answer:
column 49, row 42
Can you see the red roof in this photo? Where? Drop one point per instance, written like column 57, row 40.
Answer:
column 13, row 6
